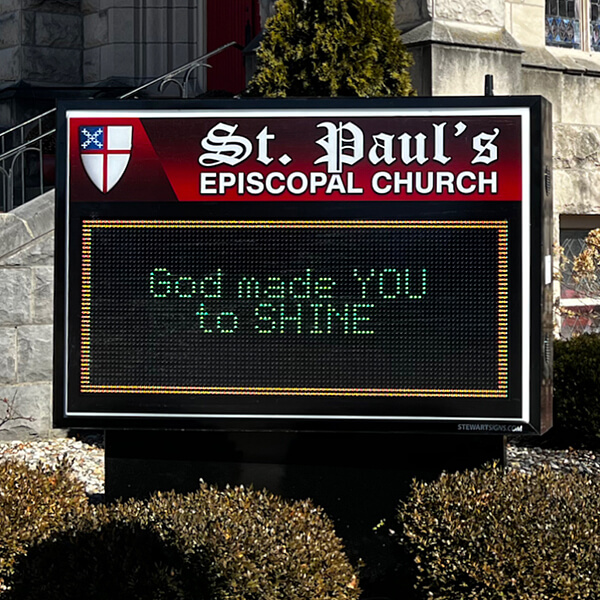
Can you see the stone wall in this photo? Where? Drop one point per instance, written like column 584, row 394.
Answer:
column 41, row 41
column 75, row 42
column 457, row 42
column 133, row 42
column 26, row 315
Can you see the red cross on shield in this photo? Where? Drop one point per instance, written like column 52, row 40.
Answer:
column 105, row 153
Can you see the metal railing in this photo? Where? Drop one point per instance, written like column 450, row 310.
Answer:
column 14, row 165
column 22, row 179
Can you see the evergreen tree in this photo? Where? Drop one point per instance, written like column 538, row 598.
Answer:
column 332, row 48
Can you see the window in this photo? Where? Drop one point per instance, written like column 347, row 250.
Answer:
column 566, row 24
column 595, row 25
column 579, row 300
column 563, row 23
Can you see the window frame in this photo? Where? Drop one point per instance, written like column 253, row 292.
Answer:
column 583, row 223
column 585, row 28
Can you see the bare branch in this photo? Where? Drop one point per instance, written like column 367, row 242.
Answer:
column 11, row 414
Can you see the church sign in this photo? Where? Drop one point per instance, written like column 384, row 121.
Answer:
column 316, row 264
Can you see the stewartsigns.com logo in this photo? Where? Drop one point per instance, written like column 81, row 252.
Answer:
column 105, row 152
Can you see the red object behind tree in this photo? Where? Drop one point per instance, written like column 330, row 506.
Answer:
column 233, row 20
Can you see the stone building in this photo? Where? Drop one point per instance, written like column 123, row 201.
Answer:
column 549, row 48
column 101, row 48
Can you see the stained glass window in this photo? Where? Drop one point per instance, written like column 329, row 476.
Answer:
column 595, row 25
column 563, row 23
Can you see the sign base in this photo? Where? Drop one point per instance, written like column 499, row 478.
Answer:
column 357, row 478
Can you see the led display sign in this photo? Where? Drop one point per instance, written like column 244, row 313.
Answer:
column 325, row 264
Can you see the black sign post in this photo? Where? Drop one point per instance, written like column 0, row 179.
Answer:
column 292, row 293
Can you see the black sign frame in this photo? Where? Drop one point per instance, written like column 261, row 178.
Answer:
column 529, row 357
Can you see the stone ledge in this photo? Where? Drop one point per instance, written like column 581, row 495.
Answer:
column 38, row 252
column 554, row 59
column 24, row 224
column 453, row 34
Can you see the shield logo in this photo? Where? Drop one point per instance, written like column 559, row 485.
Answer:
column 105, row 152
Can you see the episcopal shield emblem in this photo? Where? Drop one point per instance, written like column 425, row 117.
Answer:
column 105, row 153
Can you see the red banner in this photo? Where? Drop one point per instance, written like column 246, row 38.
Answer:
column 317, row 156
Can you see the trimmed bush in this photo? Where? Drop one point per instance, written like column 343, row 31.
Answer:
column 114, row 555
column 35, row 503
column 577, row 388
column 487, row 534
column 332, row 48
column 214, row 544
column 260, row 546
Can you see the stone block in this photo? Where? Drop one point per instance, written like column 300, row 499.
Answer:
column 182, row 54
column 106, row 61
column 58, row 30
column 6, row 115
column 106, row 4
column 10, row 64
column 34, row 353
column 7, row 6
column 89, row 7
column 8, row 355
column 16, row 286
column 475, row 12
column 156, row 59
column 14, row 235
column 576, row 191
column 420, row 72
column 37, row 253
column 117, row 60
column 576, row 104
column 545, row 83
column 576, row 147
column 183, row 26
column 34, row 403
column 409, row 13
column 27, row 28
column 95, row 29
column 528, row 24
column 10, row 26
column 120, row 25
column 460, row 71
column 54, row 65
column 91, row 65
column 38, row 214
column 267, row 9
column 71, row 7
column 164, row 3
column 43, row 295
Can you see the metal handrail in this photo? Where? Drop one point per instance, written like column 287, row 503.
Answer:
column 37, row 118
column 9, row 159
column 188, row 67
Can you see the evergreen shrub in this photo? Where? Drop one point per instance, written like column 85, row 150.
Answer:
column 577, row 389
column 35, row 503
column 332, row 48
column 488, row 534
column 212, row 544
